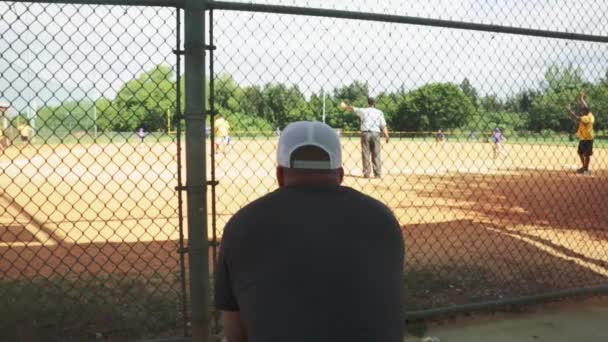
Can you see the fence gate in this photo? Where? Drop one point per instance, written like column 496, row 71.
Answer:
column 90, row 224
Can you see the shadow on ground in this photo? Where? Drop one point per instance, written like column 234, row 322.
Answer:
column 523, row 234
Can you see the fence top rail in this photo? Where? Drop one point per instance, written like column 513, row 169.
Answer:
column 332, row 13
column 147, row 3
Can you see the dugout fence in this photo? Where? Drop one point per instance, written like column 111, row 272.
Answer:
column 115, row 201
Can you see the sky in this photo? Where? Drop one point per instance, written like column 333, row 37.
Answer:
column 56, row 52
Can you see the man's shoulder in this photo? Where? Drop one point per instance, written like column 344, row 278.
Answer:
column 238, row 226
column 367, row 200
column 262, row 203
column 273, row 202
column 276, row 198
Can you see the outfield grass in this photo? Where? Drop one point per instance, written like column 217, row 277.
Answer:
column 84, row 138
column 102, row 138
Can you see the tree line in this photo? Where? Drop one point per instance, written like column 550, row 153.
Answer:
column 148, row 99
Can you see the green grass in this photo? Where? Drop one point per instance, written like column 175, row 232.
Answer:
column 112, row 308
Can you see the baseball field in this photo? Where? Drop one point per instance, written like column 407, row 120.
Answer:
column 475, row 227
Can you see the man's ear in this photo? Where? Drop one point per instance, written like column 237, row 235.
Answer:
column 280, row 176
column 341, row 175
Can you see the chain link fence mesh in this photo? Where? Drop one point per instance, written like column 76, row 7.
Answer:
column 482, row 221
column 89, row 221
column 89, row 238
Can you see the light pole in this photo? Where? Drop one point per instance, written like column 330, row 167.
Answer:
column 95, row 119
column 323, row 92
column 31, row 116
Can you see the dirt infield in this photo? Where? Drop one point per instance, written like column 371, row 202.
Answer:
column 524, row 220
column 475, row 228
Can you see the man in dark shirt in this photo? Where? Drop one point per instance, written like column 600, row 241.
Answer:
column 313, row 260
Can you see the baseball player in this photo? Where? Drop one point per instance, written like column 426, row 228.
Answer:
column 4, row 140
column 473, row 135
column 440, row 136
column 141, row 133
column 222, row 133
column 498, row 139
column 584, row 132
column 26, row 132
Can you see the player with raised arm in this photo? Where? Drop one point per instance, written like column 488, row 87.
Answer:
column 584, row 132
column 372, row 124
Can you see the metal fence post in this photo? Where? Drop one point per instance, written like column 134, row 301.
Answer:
column 194, row 47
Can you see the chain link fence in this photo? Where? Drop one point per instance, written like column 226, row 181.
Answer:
column 89, row 225
column 91, row 243
column 481, row 167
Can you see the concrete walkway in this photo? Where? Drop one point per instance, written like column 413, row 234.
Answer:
column 567, row 321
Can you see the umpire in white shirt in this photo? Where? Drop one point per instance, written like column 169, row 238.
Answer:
column 372, row 124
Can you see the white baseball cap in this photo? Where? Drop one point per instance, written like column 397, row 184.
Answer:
column 309, row 133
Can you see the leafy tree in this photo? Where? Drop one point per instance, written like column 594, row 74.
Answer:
column 283, row 104
column 434, row 106
column 598, row 101
column 228, row 95
column 560, row 88
column 355, row 93
column 522, row 101
column 314, row 107
column 470, row 92
column 509, row 122
column 491, row 103
column 19, row 119
column 105, row 111
column 144, row 101
column 69, row 117
column 243, row 124
column 389, row 104
column 253, row 102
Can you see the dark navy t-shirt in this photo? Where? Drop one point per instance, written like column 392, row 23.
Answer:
column 314, row 263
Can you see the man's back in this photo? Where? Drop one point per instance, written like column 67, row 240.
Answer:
column 314, row 263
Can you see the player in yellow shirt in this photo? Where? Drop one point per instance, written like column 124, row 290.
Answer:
column 584, row 132
column 222, row 133
column 26, row 132
column 4, row 122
